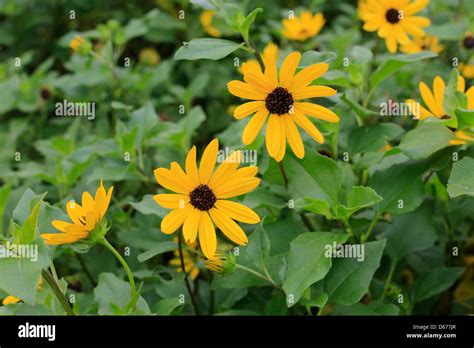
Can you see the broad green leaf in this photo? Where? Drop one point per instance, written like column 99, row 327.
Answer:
column 461, row 180
column 435, row 281
column 245, row 26
column 453, row 99
column 465, row 118
column 425, row 140
column 358, row 198
column 453, row 31
column 316, row 206
column 259, row 247
column 312, row 57
column 25, row 206
column 373, row 308
column 396, row 62
column 213, row 49
column 20, row 276
column 113, row 295
column 409, row 232
column 356, row 107
column 167, row 305
column 349, row 277
column 148, row 206
column 29, row 229
column 365, row 139
column 307, row 262
column 158, row 249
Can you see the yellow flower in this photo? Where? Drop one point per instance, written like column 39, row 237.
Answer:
column 75, row 43
column 427, row 43
column 201, row 197
column 467, row 70
column 280, row 97
column 206, row 21
column 84, row 218
column 10, row 299
column 270, row 52
column 462, row 138
column 468, row 41
column 434, row 101
column 149, row 56
column 221, row 264
column 303, row 27
column 394, row 20
column 191, row 260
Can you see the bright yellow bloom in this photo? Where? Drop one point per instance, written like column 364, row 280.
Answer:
column 394, row 20
column 191, row 261
column 206, row 21
column 201, row 197
column 149, row 56
column 84, row 218
column 222, row 264
column 434, row 101
column 10, row 299
column 467, row 70
column 76, row 42
column 462, row 138
column 427, row 43
column 280, row 97
column 270, row 52
column 303, row 27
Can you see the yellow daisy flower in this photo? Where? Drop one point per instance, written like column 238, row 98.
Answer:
column 201, row 197
column 149, row 56
column 434, row 101
column 75, row 43
column 10, row 299
column 394, row 20
column 426, row 43
column 280, row 97
column 191, row 260
column 84, row 218
column 462, row 138
column 468, row 41
column 303, row 27
column 206, row 21
column 467, row 70
column 270, row 52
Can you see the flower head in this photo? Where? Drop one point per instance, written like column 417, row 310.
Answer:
column 303, row 27
column 77, row 42
column 191, row 260
column 84, row 218
column 467, row 70
column 426, row 43
column 434, row 100
column 393, row 20
column 200, row 201
column 279, row 96
column 206, row 21
column 149, row 56
column 468, row 41
column 221, row 264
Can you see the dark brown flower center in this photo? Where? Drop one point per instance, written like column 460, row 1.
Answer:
column 392, row 16
column 202, row 198
column 279, row 101
column 468, row 42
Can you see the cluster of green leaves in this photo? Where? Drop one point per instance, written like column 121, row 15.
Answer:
column 410, row 206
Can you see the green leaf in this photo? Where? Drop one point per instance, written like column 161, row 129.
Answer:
column 166, row 306
column 356, row 107
column 358, row 198
column 465, row 118
column 307, row 262
column 461, row 180
column 316, row 206
column 312, row 57
column 373, row 308
column 368, row 139
column 158, row 249
column 396, row 62
column 31, row 225
column 450, row 31
column 245, row 26
column 20, row 275
column 113, row 295
column 425, row 140
column 4, row 195
column 453, row 99
column 259, row 247
column 409, row 232
column 148, row 206
column 213, row 49
column 435, row 281
column 349, row 277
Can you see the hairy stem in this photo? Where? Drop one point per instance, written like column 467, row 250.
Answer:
column 57, row 291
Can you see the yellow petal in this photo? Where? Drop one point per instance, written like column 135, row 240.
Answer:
column 244, row 90
column 208, row 161
column 236, row 187
column 99, row 201
column 191, row 224
column 191, row 167
column 230, row 164
column 302, row 121
column 313, row 92
column 60, row 225
column 438, row 91
column 75, row 212
column 288, row 68
column 293, row 136
column 254, row 126
column 178, row 173
column 461, row 84
column 308, row 75
column 249, row 108
column 282, row 145
column 207, row 236
column 165, row 178
column 429, row 100
column 92, row 218
column 171, row 201
column 274, row 135
column 415, row 6
column 317, row 111
column 271, row 73
column 87, row 202
column 175, row 219
column 10, row 300
column 228, row 226
column 237, row 211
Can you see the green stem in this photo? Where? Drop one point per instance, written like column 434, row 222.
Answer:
column 57, row 291
column 389, row 278
column 119, row 257
column 283, row 173
column 369, row 96
column 367, row 234
column 257, row 274
column 186, row 280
